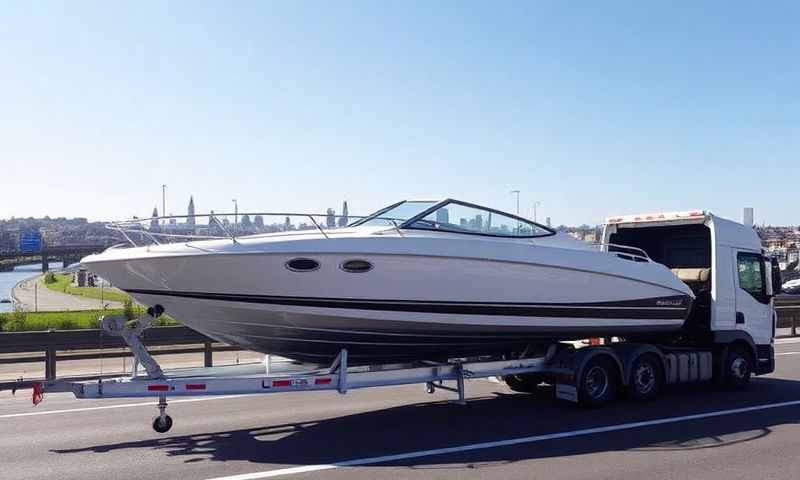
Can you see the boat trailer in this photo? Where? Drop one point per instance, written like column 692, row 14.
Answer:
column 339, row 376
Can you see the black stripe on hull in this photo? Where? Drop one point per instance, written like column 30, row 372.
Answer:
column 661, row 308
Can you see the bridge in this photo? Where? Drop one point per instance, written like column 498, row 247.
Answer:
column 67, row 254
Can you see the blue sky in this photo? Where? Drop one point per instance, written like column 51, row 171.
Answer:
column 591, row 108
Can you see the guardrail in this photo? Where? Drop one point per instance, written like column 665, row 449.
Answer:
column 53, row 341
column 788, row 310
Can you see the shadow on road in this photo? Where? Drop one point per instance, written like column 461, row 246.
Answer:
column 499, row 417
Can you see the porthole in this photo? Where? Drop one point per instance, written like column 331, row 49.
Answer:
column 356, row 266
column 302, row 265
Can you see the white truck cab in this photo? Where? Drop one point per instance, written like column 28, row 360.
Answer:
column 724, row 264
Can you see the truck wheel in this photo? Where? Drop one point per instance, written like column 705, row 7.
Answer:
column 525, row 383
column 737, row 367
column 599, row 382
column 647, row 378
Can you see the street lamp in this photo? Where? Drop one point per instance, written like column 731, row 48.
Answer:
column 516, row 192
column 235, row 216
column 535, row 206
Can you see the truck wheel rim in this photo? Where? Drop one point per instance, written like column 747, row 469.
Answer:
column 739, row 368
column 645, row 378
column 596, row 382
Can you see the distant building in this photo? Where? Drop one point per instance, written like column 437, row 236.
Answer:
column 154, row 221
column 442, row 216
column 747, row 217
column 548, row 222
column 190, row 221
column 287, row 225
column 330, row 220
column 343, row 220
column 258, row 221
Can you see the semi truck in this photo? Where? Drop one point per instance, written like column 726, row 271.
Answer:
column 728, row 337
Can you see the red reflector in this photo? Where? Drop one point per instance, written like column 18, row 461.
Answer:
column 322, row 381
column 158, row 388
column 195, row 386
column 281, row 383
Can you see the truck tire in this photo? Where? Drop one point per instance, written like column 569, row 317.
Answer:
column 525, row 383
column 599, row 382
column 737, row 367
column 647, row 378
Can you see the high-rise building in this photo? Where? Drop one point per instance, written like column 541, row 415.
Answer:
column 190, row 222
column 748, row 216
column 442, row 216
column 343, row 220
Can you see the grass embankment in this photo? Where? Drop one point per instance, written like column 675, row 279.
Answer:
column 62, row 282
column 36, row 321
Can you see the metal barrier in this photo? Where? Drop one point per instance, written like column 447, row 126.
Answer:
column 51, row 342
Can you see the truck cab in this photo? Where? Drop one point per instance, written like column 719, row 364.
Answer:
column 725, row 266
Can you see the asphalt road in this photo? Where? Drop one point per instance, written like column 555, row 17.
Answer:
column 691, row 432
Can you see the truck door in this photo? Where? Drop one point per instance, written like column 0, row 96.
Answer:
column 753, row 304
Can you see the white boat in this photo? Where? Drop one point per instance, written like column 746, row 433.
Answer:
column 417, row 280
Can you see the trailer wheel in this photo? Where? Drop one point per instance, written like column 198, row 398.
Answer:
column 525, row 383
column 162, row 427
column 737, row 368
column 647, row 378
column 598, row 383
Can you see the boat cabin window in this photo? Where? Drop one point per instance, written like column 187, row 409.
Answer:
column 459, row 217
column 395, row 214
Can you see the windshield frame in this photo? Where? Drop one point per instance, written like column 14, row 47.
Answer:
column 378, row 215
column 408, row 224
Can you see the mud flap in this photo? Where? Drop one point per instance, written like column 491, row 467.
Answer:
column 567, row 391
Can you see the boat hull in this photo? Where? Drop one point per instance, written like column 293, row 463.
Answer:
column 448, row 302
column 407, row 332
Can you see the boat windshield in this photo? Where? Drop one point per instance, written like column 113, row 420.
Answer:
column 399, row 212
column 459, row 217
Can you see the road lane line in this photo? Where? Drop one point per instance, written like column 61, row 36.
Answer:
column 786, row 353
column 501, row 443
column 109, row 407
column 785, row 340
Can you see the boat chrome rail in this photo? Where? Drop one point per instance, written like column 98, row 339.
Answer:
column 184, row 228
column 624, row 251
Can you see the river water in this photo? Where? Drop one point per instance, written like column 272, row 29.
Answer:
column 9, row 279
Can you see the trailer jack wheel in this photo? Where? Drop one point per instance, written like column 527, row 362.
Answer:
column 162, row 425
column 163, row 422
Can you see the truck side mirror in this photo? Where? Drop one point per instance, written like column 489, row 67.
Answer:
column 777, row 284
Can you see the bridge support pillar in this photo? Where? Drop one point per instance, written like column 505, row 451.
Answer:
column 45, row 263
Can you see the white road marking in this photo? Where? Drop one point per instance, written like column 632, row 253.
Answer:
column 109, row 407
column 786, row 353
column 501, row 443
column 781, row 341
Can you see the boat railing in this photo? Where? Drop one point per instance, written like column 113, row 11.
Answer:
column 624, row 251
column 158, row 230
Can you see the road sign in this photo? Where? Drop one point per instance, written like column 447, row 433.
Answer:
column 30, row 242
